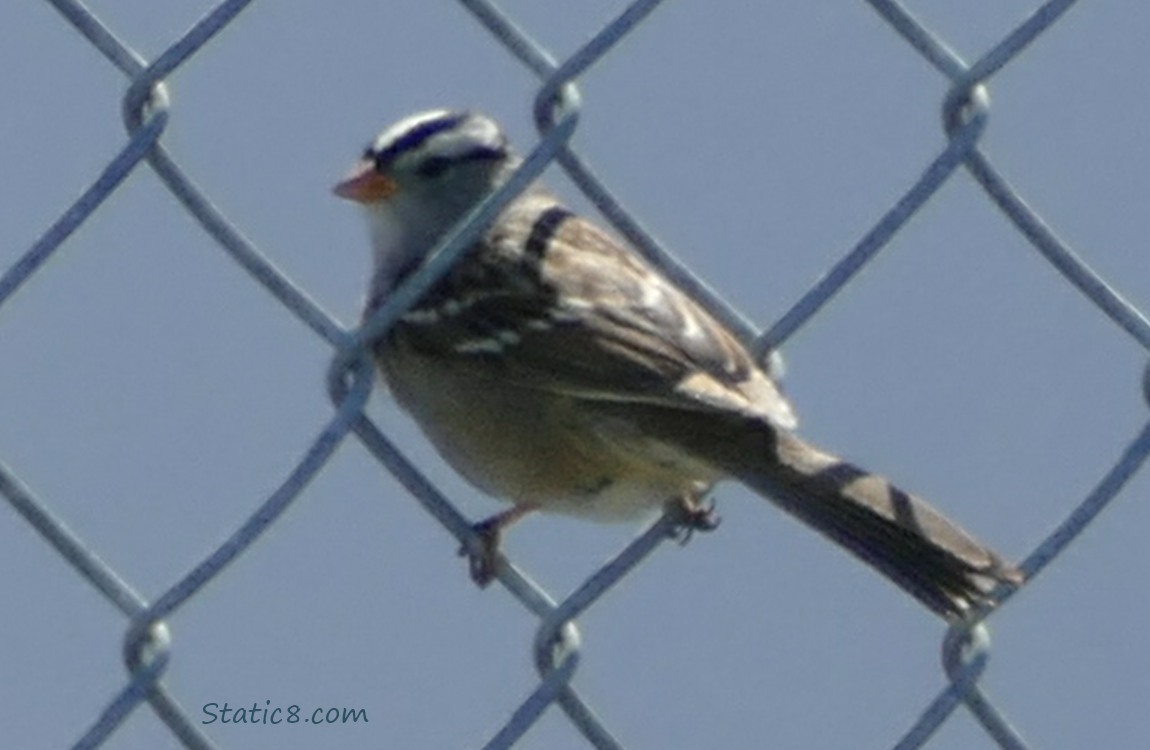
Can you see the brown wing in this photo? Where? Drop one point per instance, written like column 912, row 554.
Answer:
column 549, row 300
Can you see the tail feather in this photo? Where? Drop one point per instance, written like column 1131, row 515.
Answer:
column 896, row 533
column 899, row 534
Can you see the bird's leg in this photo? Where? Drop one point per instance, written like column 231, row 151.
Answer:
column 484, row 562
column 693, row 514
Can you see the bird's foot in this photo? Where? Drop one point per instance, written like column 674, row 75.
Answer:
column 483, row 555
column 694, row 514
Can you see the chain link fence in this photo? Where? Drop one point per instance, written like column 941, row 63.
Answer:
column 558, row 107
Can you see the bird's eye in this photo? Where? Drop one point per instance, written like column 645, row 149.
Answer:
column 434, row 166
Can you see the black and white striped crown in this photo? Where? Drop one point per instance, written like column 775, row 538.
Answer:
column 429, row 142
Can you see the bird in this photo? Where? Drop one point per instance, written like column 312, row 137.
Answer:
column 554, row 367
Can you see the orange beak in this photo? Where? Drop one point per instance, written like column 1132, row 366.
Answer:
column 365, row 185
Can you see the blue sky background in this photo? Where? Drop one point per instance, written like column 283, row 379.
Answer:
column 153, row 395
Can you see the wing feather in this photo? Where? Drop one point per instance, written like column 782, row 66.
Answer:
column 549, row 300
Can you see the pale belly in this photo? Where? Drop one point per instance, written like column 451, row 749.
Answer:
column 524, row 446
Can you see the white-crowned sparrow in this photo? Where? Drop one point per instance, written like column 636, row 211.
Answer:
column 555, row 368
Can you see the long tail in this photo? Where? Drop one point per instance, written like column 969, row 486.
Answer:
column 897, row 533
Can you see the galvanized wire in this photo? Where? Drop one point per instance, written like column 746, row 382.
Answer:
column 558, row 105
